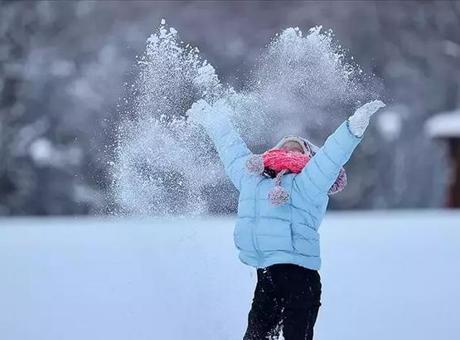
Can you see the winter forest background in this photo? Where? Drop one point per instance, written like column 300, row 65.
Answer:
column 66, row 68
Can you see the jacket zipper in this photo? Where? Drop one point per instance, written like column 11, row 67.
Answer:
column 254, row 230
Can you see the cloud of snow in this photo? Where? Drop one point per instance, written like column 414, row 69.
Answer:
column 164, row 164
column 299, row 84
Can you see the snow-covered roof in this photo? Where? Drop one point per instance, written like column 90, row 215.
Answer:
column 446, row 124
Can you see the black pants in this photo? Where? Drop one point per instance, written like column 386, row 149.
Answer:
column 286, row 297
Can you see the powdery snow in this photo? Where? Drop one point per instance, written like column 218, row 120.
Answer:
column 386, row 275
column 444, row 125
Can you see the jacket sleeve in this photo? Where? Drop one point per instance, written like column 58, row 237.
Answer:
column 322, row 170
column 231, row 148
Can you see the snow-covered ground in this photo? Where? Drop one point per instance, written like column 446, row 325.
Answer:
column 386, row 275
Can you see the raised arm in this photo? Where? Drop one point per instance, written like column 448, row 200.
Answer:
column 322, row 170
column 231, row 148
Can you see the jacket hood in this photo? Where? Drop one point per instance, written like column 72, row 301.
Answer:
column 308, row 147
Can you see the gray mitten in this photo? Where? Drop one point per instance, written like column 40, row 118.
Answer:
column 359, row 121
column 200, row 112
column 207, row 115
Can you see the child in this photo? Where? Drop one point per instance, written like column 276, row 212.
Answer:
column 283, row 198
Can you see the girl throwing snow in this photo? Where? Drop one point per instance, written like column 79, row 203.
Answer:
column 283, row 196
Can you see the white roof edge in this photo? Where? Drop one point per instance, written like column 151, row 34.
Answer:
column 444, row 124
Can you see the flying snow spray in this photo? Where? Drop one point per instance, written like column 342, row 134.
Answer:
column 165, row 165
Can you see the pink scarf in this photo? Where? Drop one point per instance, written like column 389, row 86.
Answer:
column 282, row 162
column 279, row 160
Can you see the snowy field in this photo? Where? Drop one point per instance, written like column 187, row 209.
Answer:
column 385, row 276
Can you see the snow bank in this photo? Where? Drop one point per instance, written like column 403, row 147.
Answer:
column 385, row 276
column 444, row 125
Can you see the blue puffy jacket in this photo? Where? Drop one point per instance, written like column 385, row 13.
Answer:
column 266, row 234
